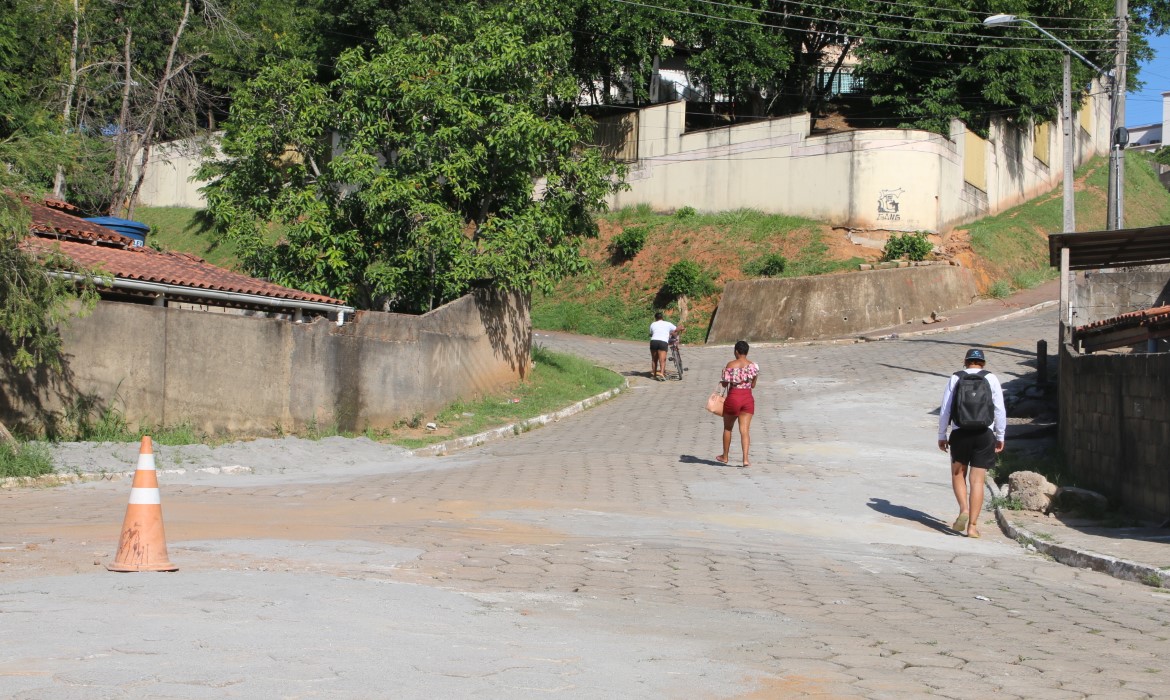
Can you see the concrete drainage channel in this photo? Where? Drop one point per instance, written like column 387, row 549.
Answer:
column 442, row 448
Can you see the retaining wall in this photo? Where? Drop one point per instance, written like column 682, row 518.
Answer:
column 1115, row 426
column 827, row 306
column 233, row 374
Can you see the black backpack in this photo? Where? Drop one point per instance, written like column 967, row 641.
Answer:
column 971, row 403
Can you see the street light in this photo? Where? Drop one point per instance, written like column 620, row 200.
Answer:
column 1070, row 222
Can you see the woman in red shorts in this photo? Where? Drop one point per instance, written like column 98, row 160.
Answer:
column 740, row 377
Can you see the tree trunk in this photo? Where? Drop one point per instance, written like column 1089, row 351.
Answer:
column 5, row 436
column 160, row 93
column 123, row 152
column 59, row 178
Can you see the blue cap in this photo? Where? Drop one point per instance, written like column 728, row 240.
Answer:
column 974, row 354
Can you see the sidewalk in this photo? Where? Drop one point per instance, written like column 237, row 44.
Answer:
column 1123, row 550
column 978, row 313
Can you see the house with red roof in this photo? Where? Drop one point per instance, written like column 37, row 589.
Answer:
column 130, row 272
column 178, row 341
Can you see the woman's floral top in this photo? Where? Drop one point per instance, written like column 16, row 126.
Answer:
column 741, row 377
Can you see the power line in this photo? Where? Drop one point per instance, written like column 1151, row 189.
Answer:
column 876, row 39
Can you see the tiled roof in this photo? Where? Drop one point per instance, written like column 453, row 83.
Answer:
column 95, row 247
column 1146, row 317
column 1125, row 329
column 148, row 265
column 54, row 222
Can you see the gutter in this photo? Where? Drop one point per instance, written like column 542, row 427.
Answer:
column 175, row 290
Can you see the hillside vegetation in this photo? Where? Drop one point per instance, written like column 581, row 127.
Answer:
column 636, row 248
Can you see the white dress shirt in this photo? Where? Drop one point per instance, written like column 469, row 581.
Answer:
column 944, row 410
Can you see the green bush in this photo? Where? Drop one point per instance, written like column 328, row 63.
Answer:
column 685, row 213
column 629, row 242
column 1000, row 289
column 911, row 246
column 686, row 278
column 770, row 265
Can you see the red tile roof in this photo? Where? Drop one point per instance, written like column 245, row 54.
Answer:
column 181, row 269
column 98, row 248
column 48, row 221
column 1145, row 317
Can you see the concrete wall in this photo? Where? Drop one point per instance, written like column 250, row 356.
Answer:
column 826, row 306
column 1115, row 426
column 233, row 374
column 1101, row 294
column 170, row 171
column 898, row 179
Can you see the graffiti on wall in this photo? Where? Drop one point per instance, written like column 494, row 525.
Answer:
column 888, row 206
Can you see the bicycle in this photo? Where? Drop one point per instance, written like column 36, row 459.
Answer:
column 675, row 355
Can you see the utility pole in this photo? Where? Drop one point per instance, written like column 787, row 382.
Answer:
column 1115, row 210
column 1070, row 208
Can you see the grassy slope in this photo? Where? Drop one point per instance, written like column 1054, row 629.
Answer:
column 619, row 297
column 185, row 231
column 1009, row 251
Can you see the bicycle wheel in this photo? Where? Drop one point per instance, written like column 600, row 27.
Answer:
column 676, row 357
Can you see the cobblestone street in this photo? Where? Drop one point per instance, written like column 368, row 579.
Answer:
column 606, row 555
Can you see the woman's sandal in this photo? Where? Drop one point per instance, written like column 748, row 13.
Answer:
column 960, row 524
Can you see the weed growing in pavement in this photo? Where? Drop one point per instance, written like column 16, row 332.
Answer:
column 24, row 459
column 1009, row 503
column 1044, row 536
column 1153, row 579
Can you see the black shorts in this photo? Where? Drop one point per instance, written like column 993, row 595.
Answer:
column 658, row 346
column 974, row 448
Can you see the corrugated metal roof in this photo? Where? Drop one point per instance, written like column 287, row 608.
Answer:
column 1091, row 250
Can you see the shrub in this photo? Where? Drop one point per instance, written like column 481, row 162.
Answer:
column 24, row 459
column 1000, row 289
column 685, row 213
column 911, row 246
column 686, row 278
column 629, row 242
column 770, row 265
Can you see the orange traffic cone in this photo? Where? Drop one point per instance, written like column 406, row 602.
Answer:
column 143, row 546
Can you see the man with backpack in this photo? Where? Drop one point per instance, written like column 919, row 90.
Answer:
column 973, row 404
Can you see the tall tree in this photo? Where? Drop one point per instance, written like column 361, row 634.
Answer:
column 432, row 185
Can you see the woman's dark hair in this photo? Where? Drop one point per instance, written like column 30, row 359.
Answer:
column 657, row 315
column 741, row 347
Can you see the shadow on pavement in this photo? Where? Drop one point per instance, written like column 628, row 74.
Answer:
column 883, row 506
column 990, row 349
column 691, row 459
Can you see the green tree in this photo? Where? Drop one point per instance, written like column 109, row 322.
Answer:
column 432, row 185
column 926, row 63
column 34, row 303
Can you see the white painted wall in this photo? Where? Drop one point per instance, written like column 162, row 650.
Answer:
column 169, row 171
column 899, row 179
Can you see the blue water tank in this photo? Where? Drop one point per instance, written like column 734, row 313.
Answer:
column 135, row 230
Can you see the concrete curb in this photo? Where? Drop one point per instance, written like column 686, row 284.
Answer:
column 1080, row 559
column 511, row 429
column 16, row 482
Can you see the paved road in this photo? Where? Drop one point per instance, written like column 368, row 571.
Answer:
column 606, row 556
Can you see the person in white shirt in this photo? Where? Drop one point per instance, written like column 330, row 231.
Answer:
column 973, row 446
column 660, row 332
